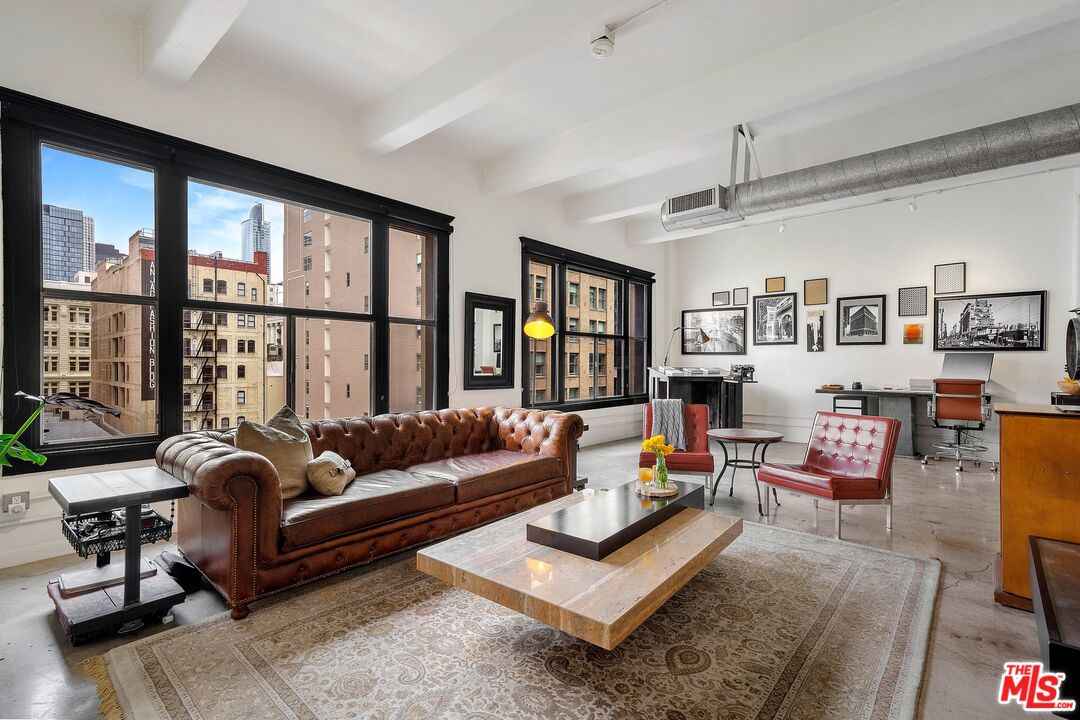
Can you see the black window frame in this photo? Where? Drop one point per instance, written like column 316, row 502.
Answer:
column 28, row 122
column 560, row 258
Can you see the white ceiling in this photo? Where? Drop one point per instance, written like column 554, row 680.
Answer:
column 510, row 84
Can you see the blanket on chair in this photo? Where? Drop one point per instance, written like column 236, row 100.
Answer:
column 667, row 420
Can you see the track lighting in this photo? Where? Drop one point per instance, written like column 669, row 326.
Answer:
column 782, row 227
column 911, row 204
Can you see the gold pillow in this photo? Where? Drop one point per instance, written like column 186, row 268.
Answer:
column 330, row 473
column 282, row 441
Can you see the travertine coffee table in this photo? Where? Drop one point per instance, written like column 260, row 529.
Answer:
column 599, row 601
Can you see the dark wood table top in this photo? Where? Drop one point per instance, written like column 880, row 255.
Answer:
column 744, row 435
column 96, row 492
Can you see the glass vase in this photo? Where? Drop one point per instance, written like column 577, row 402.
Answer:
column 660, row 473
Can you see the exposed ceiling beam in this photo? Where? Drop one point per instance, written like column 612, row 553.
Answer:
column 895, row 40
column 178, row 35
column 499, row 60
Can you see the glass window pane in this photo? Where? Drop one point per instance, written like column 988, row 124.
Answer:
column 638, row 367
column 412, row 367
column 412, row 274
column 95, row 214
column 245, row 247
column 331, row 382
column 99, row 351
column 638, row 310
column 540, row 370
column 593, row 302
column 598, row 362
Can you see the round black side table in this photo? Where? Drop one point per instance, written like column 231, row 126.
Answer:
column 735, row 437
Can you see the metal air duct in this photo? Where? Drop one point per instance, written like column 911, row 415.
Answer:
column 1044, row 135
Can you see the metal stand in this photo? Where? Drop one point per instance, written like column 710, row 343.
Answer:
column 752, row 464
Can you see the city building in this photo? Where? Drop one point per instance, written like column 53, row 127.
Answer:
column 225, row 353
column 107, row 251
column 67, row 243
column 123, row 339
column 255, row 235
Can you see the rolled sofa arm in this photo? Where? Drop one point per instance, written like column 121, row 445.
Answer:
column 210, row 466
column 541, row 432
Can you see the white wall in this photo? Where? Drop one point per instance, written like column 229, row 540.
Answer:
column 1017, row 234
column 91, row 61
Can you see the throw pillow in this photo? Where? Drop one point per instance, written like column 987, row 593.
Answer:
column 282, row 441
column 330, row 473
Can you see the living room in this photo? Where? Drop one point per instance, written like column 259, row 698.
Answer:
column 382, row 326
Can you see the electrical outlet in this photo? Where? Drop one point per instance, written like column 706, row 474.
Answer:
column 15, row 502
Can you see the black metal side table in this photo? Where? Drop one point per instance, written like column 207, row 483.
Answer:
column 91, row 600
column 736, row 436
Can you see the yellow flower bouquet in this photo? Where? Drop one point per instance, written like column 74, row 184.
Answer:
column 661, row 450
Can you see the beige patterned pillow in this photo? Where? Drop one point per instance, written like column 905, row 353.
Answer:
column 282, row 441
column 330, row 473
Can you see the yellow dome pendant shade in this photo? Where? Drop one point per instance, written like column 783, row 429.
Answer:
column 539, row 324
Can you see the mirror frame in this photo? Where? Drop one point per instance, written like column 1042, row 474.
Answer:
column 508, row 307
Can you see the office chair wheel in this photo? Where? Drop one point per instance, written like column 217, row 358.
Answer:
column 959, row 468
column 926, row 461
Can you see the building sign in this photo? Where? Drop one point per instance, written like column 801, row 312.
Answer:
column 149, row 331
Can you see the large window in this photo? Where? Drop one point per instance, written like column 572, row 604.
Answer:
column 599, row 353
column 188, row 288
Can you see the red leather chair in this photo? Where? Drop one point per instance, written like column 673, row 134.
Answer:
column 848, row 460
column 696, row 458
column 959, row 405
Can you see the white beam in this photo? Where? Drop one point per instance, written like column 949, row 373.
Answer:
column 499, row 60
column 895, row 40
column 178, row 35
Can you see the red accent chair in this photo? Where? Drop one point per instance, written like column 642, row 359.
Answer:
column 848, row 460
column 696, row 458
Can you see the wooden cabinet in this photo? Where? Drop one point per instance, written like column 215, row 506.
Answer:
column 1040, row 490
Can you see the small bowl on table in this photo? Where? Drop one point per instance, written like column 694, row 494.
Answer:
column 1069, row 386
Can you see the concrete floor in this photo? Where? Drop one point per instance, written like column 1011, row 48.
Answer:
column 937, row 513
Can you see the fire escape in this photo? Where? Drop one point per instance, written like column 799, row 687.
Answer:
column 202, row 347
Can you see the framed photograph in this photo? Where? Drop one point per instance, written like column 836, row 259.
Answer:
column 998, row 322
column 496, row 337
column 815, row 331
column 911, row 301
column 723, row 297
column 815, row 292
column 714, row 332
column 860, row 320
column 775, row 284
column 774, row 319
column 741, row 296
column 913, row 333
column 950, row 278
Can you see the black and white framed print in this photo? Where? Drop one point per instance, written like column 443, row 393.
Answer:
column 860, row 320
column 774, row 319
column 950, row 278
column 998, row 322
column 815, row 292
column 714, row 331
column 911, row 301
column 815, row 331
column 741, row 296
column 721, row 298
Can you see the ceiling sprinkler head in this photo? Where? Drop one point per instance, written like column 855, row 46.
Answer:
column 602, row 47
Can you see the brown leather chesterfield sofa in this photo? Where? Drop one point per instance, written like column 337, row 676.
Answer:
column 420, row 477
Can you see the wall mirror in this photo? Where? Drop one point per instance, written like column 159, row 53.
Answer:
column 490, row 329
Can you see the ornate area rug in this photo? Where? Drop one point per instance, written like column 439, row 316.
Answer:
column 780, row 625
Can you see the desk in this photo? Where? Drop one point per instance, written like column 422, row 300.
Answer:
column 723, row 395
column 899, row 404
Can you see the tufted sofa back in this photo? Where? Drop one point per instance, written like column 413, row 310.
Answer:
column 853, row 446
column 399, row 441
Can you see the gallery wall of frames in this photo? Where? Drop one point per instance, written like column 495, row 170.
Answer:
column 985, row 322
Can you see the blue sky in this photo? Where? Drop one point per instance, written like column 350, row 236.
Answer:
column 120, row 198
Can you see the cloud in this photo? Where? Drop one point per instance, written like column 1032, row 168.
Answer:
column 140, row 179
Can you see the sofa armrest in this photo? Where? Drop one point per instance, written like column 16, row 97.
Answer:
column 210, row 467
column 541, row 432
